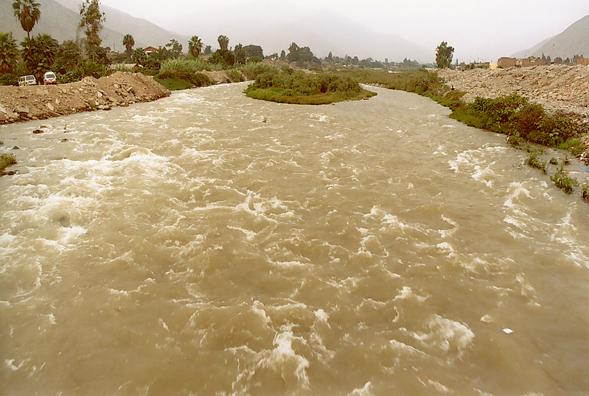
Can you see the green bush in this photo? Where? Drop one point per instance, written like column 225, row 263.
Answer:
column 535, row 162
column 235, row 75
column 252, row 70
column 563, row 181
column 8, row 79
column 585, row 192
column 6, row 160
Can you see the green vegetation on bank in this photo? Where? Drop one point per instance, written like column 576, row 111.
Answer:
column 563, row 181
column 6, row 160
column 299, row 87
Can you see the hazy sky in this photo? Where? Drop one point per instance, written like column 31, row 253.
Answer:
column 476, row 28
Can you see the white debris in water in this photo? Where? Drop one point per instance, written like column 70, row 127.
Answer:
column 487, row 318
column 366, row 390
column 507, row 330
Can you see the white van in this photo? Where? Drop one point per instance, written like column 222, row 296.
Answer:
column 27, row 80
column 49, row 78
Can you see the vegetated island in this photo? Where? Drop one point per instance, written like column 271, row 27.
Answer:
column 285, row 85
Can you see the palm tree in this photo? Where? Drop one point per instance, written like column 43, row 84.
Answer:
column 28, row 13
column 8, row 53
column 195, row 46
column 223, row 42
column 129, row 43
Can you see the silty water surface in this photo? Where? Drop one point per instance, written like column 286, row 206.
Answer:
column 208, row 243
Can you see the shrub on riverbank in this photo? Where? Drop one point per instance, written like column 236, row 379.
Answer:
column 252, row 70
column 298, row 87
column 535, row 162
column 585, row 192
column 6, row 160
column 563, row 181
column 513, row 114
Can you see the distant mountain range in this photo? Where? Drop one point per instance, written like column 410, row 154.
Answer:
column 60, row 19
column 573, row 41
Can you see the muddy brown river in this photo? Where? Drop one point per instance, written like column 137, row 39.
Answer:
column 211, row 244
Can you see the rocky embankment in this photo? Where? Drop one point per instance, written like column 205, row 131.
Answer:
column 41, row 102
column 558, row 88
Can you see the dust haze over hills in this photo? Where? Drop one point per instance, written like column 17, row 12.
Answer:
column 573, row 41
column 374, row 28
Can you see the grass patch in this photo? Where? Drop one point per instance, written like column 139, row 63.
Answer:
column 298, row 87
column 535, row 162
column 573, row 145
column 186, row 66
column 563, row 181
column 6, row 160
column 235, row 75
column 174, row 84
column 585, row 192
column 183, row 80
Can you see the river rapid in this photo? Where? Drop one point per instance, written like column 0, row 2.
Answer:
column 209, row 243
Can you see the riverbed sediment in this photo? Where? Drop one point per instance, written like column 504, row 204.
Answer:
column 42, row 102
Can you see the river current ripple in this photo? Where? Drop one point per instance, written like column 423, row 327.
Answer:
column 208, row 243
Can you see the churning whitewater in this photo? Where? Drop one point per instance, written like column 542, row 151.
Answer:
column 209, row 243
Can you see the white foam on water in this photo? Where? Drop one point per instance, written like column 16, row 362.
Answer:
column 321, row 316
column 12, row 366
column 446, row 248
column 450, row 232
column 406, row 293
column 403, row 348
column 566, row 234
column 249, row 235
column 445, row 335
column 366, row 390
column 284, row 353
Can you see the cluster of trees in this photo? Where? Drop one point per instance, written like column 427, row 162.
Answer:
column 369, row 62
column 73, row 60
column 224, row 56
column 38, row 54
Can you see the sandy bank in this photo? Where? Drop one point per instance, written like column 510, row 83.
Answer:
column 41, row 102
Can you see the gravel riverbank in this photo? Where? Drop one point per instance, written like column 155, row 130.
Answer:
column 41, row 102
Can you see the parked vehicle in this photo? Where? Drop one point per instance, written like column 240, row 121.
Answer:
column 49, row 78
column 27, row 80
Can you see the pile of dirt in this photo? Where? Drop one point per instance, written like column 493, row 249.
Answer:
column 40, row 102
column 556, row 87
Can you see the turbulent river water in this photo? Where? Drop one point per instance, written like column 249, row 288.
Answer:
column 208, row 243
